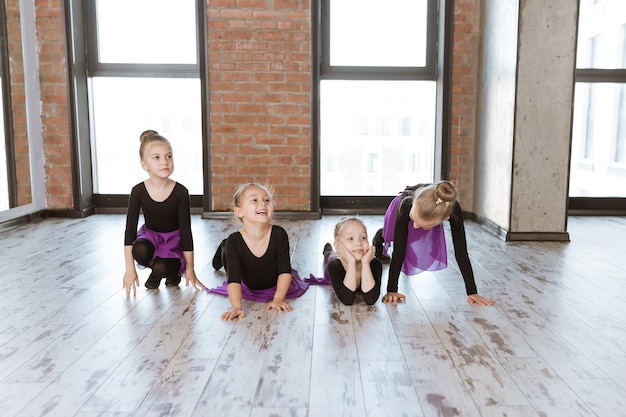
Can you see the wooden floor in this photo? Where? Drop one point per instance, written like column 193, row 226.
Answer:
column 72, row 344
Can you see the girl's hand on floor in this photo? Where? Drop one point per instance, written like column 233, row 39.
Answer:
column 130, row 280
column 480, row 300
column 190, row 276
column 394, row 298
column 280, row 305
column 235, row 313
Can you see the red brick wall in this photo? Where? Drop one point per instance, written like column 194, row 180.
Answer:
column 260, row 99
column 18, row 102
column 465, row 70
column 54, row 103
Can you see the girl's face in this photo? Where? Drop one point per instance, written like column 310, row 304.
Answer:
column 419, row 223
column 158, row 160
column 255, row 206
column 354, row 237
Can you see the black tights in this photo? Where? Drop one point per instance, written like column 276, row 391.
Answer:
column 219, row 259
column 161, row 267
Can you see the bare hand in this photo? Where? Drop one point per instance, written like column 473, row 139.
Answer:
column 394, row 298
column 235, row 313
column 480, row 300
column 279, row 305
column 344, row 253
column 130, row 280
column 190, row 276
column 368, row 255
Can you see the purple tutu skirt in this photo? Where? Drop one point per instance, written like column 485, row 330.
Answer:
column 166, row 245
column 425, row 249
column 325, row 280
column 296, row 289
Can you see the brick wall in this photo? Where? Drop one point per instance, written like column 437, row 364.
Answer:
column 465, row 71
column 260, row 98
column 18, row 102
column 54, row 103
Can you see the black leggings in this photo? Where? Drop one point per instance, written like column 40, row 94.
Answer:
column 143, row 251
column 378, row 242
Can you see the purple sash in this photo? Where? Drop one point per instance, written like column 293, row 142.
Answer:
column 297, row 287
column 425, row 249
column 166, row 245
column 325, row 280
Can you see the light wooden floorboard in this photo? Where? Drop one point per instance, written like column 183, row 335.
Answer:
column 72, row 343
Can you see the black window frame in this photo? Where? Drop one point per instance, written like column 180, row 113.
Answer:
column 595, row 206
column 436, row 68
column 95, row 68
column 598, row 206
column 378, row 73
column 83, row 63
column 7, row 111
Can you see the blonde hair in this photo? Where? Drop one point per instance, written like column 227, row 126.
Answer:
column 343, row 221
column 244, row 187
column 151, row 136
column 435, row 202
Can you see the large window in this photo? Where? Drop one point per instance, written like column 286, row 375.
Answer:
column 377, row 96
column 598, row 165
column 143, row 73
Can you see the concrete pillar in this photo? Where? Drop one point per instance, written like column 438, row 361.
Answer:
column 525, row 117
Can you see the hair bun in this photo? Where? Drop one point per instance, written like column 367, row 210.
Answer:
column 146, row 134
column 446, row 192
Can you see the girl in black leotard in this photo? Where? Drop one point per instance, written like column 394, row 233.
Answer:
column 352, row 268
column 256, row 258
column 413, row 225
column 164, row 243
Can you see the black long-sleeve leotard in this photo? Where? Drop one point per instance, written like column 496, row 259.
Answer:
column 258, row 273
column 337, row 273
column 168, row 215
column 400, row 236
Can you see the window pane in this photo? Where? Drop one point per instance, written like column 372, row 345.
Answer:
column 170, row 106
column 378, row 33
column 393, row 145
column 602, row 35
column 146, row 31
column 598, row 166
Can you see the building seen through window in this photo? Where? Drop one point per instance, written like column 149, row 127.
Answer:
column 380, row 157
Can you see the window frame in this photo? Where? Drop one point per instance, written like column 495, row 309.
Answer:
column 95, row 68
column 83, row 63
column 379, row 73
column 598, row 205
column 7, row 110
column 436, row 68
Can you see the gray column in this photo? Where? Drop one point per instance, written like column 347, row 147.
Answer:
column 525, row 117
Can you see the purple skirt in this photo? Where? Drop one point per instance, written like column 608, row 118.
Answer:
column 325, row 280
column 425, row 249
column 166, row 245
column 297, row 287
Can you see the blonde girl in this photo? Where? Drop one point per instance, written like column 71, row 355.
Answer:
column 164, row 243
column 256, row 258
column 352, row 268
column 413, row 229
